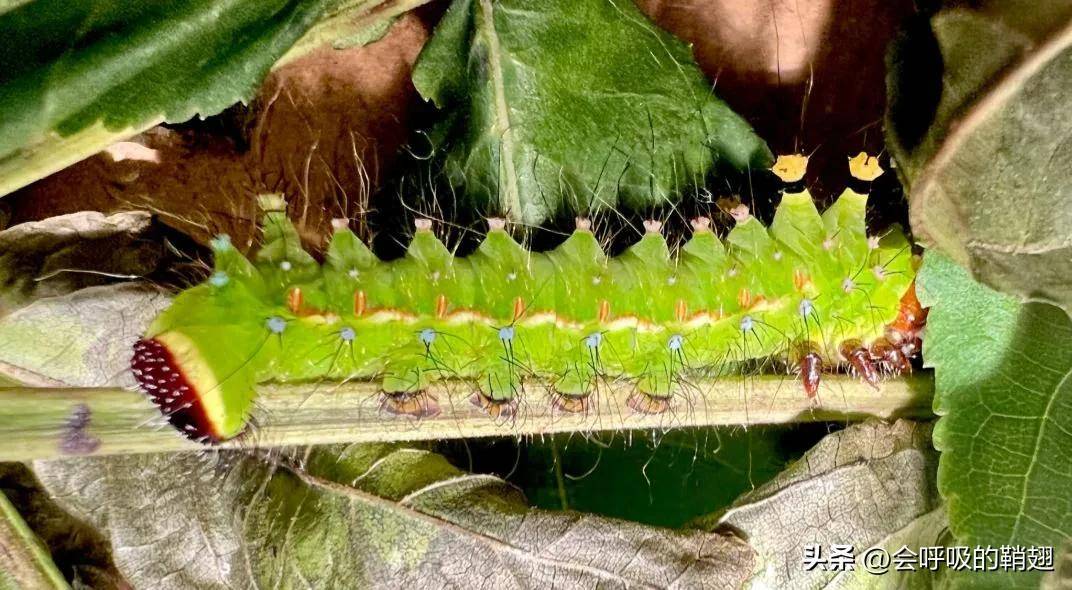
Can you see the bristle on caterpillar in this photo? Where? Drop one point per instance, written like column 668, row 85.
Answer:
column 810, row 291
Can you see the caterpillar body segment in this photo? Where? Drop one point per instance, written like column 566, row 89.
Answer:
column 795, row 292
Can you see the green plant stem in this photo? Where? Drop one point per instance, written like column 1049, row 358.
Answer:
column 37, row 423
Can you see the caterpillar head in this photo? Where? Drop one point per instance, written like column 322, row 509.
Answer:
column 179, row 389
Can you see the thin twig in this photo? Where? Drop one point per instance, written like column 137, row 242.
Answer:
column 42, row 423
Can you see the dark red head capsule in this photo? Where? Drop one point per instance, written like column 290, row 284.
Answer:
column 161, row 378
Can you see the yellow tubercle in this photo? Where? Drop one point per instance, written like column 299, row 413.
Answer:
column 790, row 168
column 865, row 167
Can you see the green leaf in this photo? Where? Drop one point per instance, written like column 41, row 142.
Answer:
column 1002, row 386
column 556, row 106
column 990, row 163
column 364, row 516
column 78, row 76
column 866, row 486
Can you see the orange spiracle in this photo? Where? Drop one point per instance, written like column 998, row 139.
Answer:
column 360, row 303
column 604, row 310
column 440, row 306
column 295, row 300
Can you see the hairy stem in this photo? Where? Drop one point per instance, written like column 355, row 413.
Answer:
column 41, row 423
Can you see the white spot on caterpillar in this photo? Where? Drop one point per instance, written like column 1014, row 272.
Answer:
column 671, row 280
column 219, row 279
column 828, row 244
column 511, row 277
column 506, row 334
column 427, row 336
column 276, row 324
column 675, row 342
column 778, row 255
column 597, row 280
column 747, row 323
column 347, row 334
column 593, row 340
column 848, row 285
column 435, row 277
column 352, row 273
column 286, row 265
column 732, row 272
column 879, row 272
column 806, row 307
column 872, row 242
column 221, row 242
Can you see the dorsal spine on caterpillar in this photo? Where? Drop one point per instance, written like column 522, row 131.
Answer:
column 808, row 288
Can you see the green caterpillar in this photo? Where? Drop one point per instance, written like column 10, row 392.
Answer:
column 809, row 287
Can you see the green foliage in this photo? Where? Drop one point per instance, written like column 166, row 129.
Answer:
column 77, row 76
column 1003, row 390
column 572, row 106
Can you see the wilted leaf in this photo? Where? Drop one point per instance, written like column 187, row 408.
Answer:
column 1002, row 388
column 991, row 175
column 82, row 339
column 861, row 487
column 65, row 253
column 1061, row 576
column 927, row 530
column 559, row 106
column 364, row 516
column 68, row 550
